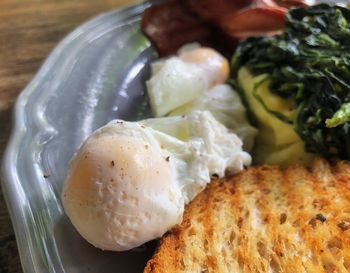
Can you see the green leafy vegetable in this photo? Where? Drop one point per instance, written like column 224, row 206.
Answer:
column 310, row 63
column 340, row 117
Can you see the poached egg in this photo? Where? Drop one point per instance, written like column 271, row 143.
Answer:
column 180, row 79
column 129, row 181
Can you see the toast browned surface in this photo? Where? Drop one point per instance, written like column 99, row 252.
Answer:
column 264, row 219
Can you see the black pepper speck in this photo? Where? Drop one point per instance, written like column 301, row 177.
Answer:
column 320, row 217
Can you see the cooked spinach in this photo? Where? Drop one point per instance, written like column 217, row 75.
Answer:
column 309, row 62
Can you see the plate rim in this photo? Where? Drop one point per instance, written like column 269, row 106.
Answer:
column 9, row 181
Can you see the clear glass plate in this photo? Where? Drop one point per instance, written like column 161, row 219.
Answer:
column 95, row 74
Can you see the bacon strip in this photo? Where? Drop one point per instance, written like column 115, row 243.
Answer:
column 213, row 10
column 171, row 25
column 218, row 23
column 254, row 22
column 291, row 3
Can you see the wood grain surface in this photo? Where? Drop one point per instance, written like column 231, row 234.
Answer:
column 29, row 30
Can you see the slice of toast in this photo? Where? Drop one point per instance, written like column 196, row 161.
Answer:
column 264, row 219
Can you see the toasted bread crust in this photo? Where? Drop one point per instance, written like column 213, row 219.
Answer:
column 264, row 219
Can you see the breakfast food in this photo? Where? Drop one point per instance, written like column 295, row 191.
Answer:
column 226, row 106
column 297, row 85
column 194, row 79
column 129, row 182
column 109, row 194
column 171, row 25
column 180, row 79
column 215, row 23
column 268, row 218
column 264, row 219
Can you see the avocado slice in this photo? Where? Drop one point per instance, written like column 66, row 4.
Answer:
column 276, row 142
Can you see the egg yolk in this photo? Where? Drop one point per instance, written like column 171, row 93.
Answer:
column 216, row 66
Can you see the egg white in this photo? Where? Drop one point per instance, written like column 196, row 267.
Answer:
column 199, row 147
column 226, row 106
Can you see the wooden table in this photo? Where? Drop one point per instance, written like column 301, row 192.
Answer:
column 29, row 30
